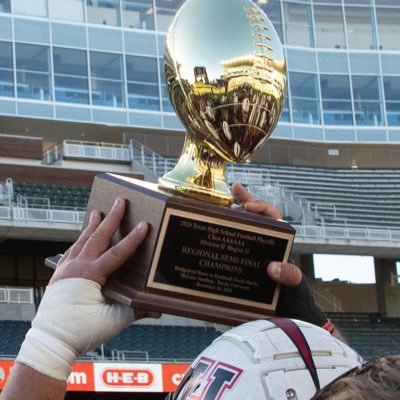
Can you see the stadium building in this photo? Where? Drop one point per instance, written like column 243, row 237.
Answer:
column 82, row 92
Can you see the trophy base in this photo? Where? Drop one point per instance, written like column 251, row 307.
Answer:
column 199, row 260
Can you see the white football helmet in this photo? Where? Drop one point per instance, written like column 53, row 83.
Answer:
column 259, row 361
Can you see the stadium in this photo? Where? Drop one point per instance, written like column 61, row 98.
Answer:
column 82, row 92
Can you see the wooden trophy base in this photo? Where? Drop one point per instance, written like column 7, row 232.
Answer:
column 199, row 260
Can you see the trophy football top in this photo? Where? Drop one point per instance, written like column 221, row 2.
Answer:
column 225, row 72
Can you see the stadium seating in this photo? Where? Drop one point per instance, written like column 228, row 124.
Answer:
column 12, row 335
column 369, row 334
column 51, row 196
column 350, row 197
column 179, row 343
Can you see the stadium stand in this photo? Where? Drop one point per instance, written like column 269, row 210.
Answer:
column 155, row 342
column 12, row 335
column 369, row 334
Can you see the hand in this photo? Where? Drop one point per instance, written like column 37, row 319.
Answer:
column 249, row 203
column 73, row 316
column 295, row 299
column 90, row 256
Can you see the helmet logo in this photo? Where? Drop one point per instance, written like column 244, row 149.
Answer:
column 209, row 381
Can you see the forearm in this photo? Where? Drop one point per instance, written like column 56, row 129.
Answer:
column 26, row 383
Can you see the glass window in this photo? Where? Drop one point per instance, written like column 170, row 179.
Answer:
column 106, row 79
column 166, row 10
column 387, row 3
column 329, row 27
column 388, row 28
column 391, row 85
column 138, row 14
column 165, row 101
column 6, row 70
column 304, row 98
column 33, row 71
column 105, row 12
column 298, row 24
column 142, row 76
column 273, row 10
column 5, row 6
column 367, row 100
column 285, row 115
column 38, row 8
column 336, row 100
column 71, row 10
column 360, row 28
column 70, row 76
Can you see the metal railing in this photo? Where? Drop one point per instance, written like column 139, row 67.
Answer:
column 11, row 295
column 96, row 151
column 326, row 300
column 150, row 159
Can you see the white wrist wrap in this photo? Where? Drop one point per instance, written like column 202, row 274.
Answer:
column 72, row 319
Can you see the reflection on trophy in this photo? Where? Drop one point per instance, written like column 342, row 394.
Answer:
column 225, row 72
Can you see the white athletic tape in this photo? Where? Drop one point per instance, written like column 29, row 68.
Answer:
column 72, row 319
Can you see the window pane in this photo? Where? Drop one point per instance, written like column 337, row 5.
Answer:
column 273, row 10
column 285, row 115
column 166, row 10
column 105, row 12
column 6, row 70
column 298, row 24
column 106, row 79
column 336, row 100
column 142, row 78
column 138, row 14
column 33, row 71
column 360, row 31
column 70, row 75
column 141, row 69
column 367, row 100
column 304, row 98
column 71, row 10
column 37, row 8
column 388, row 28
column 5, row 6
column 329, row 27
column 392, row 97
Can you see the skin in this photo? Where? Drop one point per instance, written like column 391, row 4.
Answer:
column 90, row 257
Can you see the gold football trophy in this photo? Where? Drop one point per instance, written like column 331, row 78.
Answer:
column 225, row 72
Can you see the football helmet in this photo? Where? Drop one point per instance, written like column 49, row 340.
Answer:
column 275, row 359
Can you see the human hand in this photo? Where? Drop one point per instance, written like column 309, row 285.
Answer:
column 249, row 203
column 296, row 300
column 74, row 316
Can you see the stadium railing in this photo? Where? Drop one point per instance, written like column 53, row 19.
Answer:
column 11, row 295
column 314, row 218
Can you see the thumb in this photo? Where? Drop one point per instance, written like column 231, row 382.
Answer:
column 284, row 273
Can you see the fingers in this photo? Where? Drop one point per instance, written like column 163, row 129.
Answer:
column 241, row 194
column 249, row 203
column 75, row 249
column 263, row 208
column 284, row 273
column 114, row 257
column 97, row 241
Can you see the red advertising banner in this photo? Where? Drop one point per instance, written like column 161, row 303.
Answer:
column 81, row 378
column 172, row 376
column 116, row 377
column 5, row 367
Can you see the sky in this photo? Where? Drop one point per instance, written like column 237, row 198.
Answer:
column 356, row 269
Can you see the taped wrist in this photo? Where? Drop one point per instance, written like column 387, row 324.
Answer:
column 297, row 302
column 72, row 319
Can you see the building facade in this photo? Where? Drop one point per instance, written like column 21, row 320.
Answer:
column 101, row 62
